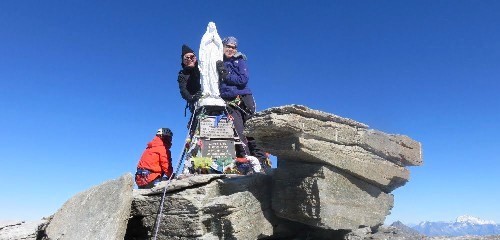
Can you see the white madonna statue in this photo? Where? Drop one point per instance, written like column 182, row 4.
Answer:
column 211, row 50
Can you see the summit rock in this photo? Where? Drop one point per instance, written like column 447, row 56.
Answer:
column 333, row 180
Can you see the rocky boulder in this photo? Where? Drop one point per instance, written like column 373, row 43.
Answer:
column 205, row 207
column 101, row 212
column 334, row 181
column 325, row 197
column 333, row 172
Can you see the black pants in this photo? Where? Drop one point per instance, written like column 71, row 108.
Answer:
column 241, row 114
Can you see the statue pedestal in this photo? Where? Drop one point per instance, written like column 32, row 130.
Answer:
column 210, row 101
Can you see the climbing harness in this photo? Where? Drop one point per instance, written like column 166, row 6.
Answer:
column 236, row 103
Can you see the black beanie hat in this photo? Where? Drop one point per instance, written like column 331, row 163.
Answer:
column 186, row 49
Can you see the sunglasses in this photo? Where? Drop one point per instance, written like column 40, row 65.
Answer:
column 232, row 47
column 192, row 57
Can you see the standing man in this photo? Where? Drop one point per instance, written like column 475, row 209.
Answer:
column 156, row 160
column 189, row 84
column 189, row 77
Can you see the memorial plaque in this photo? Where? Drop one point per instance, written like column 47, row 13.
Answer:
column 223, row 129
column 218, row 148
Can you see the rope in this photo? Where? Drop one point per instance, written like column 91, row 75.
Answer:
column 181, row 161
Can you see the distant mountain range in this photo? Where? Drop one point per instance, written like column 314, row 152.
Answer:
column 464, row 225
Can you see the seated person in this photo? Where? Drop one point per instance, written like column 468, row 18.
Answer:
column 156, row 160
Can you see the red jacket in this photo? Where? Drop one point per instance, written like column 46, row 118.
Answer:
column 157, row 159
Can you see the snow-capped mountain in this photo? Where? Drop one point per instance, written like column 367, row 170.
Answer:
column 474, row 220
column 464, row 225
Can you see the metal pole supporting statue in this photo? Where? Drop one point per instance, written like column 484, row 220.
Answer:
column 211, row 50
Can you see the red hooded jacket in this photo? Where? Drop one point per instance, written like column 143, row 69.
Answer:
column 157, row 159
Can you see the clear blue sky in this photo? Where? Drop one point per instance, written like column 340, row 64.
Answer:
column 85, row 84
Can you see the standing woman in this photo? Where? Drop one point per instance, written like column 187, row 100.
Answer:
column 234, row 89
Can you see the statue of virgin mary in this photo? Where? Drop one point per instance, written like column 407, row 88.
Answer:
column 211, row 50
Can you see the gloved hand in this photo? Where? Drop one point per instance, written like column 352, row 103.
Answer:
column 196, row 96
column 221, row 70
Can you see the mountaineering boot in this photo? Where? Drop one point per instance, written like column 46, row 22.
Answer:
column 256, row 151
column 255, row 163
column 249, row 164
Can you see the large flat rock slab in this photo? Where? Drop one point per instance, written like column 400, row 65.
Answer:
column 312, row 113
column 300, row 121
column 327, row 198
column 101, row 212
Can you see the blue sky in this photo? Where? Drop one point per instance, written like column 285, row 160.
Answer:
column 85, row 84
